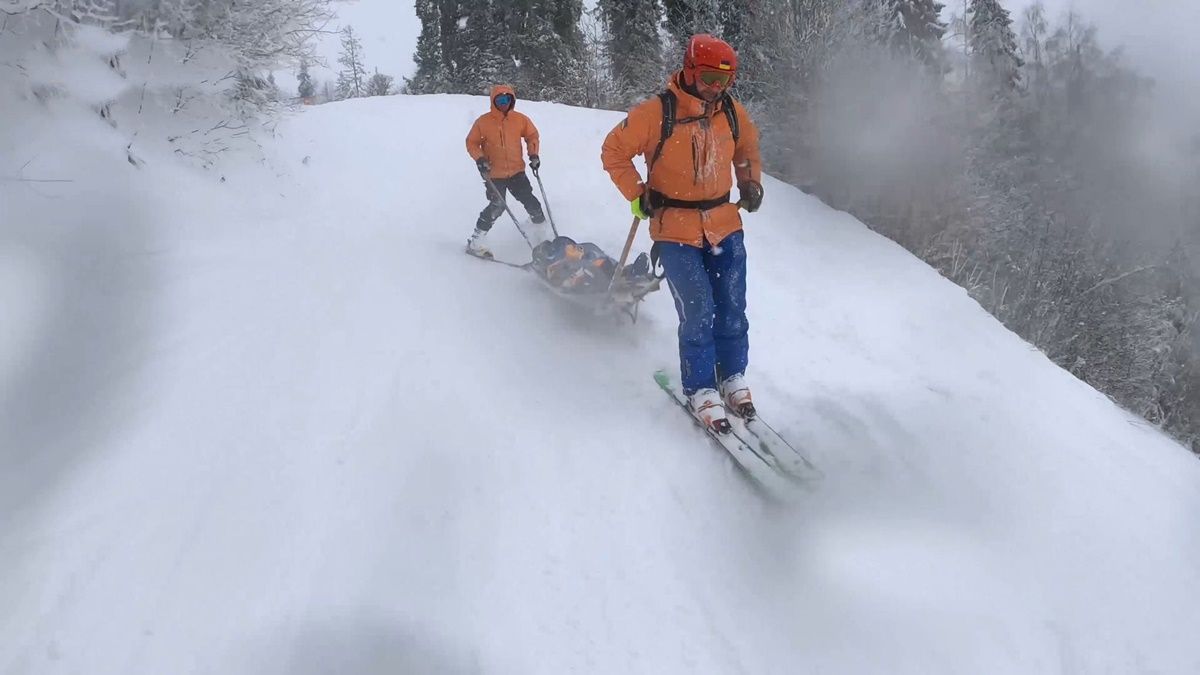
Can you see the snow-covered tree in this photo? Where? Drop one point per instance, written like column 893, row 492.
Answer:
column 566, row 17
column 598, row 87
column 200, row 69
column 465, row 46
column 306, row 88
column 379, row 84
column 912, row 27
column 993, row 48
column 430, row 77
column 258, row 36
column 685, row 18
column 549, row 62
column 352, row 78
column 480, row 54
column 634, row 47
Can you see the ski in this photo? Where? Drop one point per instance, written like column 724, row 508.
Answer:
column 487, row 255
column 768, row 441
column 754, row 460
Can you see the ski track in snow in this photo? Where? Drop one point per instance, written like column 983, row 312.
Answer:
column 281, row 424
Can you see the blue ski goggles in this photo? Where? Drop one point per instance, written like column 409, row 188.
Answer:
column 504, row 100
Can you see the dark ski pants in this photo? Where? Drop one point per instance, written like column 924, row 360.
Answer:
column 709, row 285
column 520, row 188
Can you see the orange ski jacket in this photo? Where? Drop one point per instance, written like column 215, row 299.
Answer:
column 497, row 136
column 694, row 165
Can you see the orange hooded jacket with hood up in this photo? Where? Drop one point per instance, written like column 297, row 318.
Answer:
column 497, row 136
column 694, row 165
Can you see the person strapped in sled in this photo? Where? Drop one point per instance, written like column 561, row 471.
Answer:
column 690, row 135
column 581, row 269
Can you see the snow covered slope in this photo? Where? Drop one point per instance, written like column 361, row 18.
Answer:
column 281, row 424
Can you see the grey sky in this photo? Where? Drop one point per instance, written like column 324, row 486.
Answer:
column 1157, row 34
column 388, row 29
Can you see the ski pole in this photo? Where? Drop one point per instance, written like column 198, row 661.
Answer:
column 500, row 196
column 546, row 201
column 624, row 256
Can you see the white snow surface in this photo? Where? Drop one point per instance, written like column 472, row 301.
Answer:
column 281, row 424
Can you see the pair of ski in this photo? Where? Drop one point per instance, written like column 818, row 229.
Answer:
column 769, row 461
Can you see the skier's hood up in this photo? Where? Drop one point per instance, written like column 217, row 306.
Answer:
column 503, row 90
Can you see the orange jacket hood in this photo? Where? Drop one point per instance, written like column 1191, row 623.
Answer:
column 502, row 89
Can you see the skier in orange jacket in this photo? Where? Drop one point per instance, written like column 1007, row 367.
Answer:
column 691, row 135
column 494, row 142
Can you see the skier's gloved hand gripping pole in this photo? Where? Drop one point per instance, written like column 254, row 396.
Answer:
column 750, row 196
column 535, row 163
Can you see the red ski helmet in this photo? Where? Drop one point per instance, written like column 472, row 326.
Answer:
column 710, row 59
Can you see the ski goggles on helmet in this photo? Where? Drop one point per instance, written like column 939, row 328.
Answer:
column 715, row 78
column 504, row 100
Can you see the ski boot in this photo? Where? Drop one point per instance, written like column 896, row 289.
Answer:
column 475, row 244
column 706, row 405
column 736, row 395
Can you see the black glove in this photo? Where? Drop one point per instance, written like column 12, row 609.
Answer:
column 483, row 165
column 750, row 194
column 535, row 162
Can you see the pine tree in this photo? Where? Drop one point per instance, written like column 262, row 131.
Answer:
column 993, row 48
column 567, row 15
column 598, row 87
column 685, row 18
column 734, row 15
column 306, row 89
column 1033, row 37
column 913, row 27
column 480, row 55
column 465, row 46
column 352, row 79
column 544, row 42
column 633, row 46
column 779, row 45
column 430, row 77
column 549, row 64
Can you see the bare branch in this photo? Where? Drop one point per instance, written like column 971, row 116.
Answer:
column 1119, row 277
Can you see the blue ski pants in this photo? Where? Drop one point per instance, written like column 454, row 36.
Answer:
column 709, row 286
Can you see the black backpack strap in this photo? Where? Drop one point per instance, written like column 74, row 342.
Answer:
column 731, row 115
column 669, row 105
column 668, row 126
